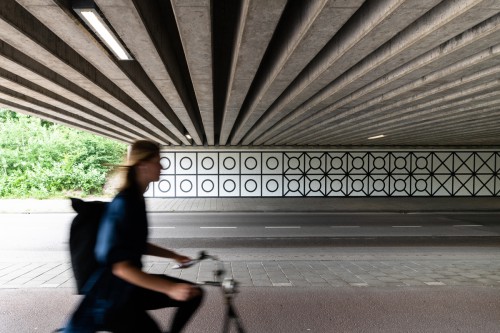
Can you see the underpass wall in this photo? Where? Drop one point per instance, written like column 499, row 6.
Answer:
column 326, row 173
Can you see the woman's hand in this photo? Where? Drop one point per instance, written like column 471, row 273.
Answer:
column 182, row 291
column 182, row 259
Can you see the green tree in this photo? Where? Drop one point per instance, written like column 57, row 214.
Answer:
column 42, row 159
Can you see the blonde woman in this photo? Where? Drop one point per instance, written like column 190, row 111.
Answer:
column 121, row 292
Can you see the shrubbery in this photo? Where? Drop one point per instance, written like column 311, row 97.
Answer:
column 40, row 159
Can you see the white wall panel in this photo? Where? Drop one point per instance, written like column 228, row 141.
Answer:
column 272, row 163
column 208, row 163
column 165, row 187
column 251, row 186
column 185, row 164
column 229, row 185
column 208, row 186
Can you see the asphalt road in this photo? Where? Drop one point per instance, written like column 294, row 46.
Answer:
column 293, row 310
column 45, row 236
column 49, row 231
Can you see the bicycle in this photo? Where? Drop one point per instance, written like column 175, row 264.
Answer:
column 229, row 288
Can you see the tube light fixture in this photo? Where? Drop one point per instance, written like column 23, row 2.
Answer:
column 89, row 14
column 376, row 137
column 189, row 137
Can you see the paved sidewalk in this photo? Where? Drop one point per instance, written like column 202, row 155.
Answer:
column 287, row 273
column 336, row 205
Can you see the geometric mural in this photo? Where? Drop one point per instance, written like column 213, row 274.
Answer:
column 327, row 174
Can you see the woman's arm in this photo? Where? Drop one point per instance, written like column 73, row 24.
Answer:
column 132, row 274
column 158, row 251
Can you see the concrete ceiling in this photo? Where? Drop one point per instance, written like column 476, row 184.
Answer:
column 261, row 72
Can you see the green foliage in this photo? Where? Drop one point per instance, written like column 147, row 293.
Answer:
column 41, row 159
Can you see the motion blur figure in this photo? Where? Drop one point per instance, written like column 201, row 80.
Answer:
column 120, row 293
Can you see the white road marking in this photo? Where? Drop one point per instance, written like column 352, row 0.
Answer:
column 218, row 227
column 161, row 227
column 435, row 283
column 468, row 225
column 407, row 226
column 290, row 227
column 345, row 226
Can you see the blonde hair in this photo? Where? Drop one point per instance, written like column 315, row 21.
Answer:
column 140, row 151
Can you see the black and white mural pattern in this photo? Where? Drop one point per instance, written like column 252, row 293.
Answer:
column 327, row 174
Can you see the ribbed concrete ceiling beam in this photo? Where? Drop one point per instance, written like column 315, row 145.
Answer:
column 419, row 67
column 425, row 27
column 46, row 47
column 399, row 109
column 300, row 16
column 75, row 35
column 371, row 18
column 127, row 22
column 475, row 138
column 433, row 124
column 238, row 72
column 195, row 29
column 254, row 31
column 333, row 16
column 400, row 118
column 470, row 118
column 26, row 68
column 454, row 105
column 338, row 111
column 27, row 102
column 66, row 106
column 328, row 23
column 36, row 113
column 471, row 131
column 399, row 105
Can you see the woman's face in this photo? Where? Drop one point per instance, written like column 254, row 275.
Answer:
column 151, row 169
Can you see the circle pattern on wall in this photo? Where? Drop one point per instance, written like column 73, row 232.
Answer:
column 185, row 163
column 229, row 163
column 421, row 162
column 336, row 185
column 400, row 185
column 293, row 185
column 186, row 186
column 378, row 185
column 164, row 186
column 272, row 185
column 421, row 185
column 251, row 163
column 329, row 173
column 250, row 185
column 358, row 163
column 357, row 185
column 400, row 163
column 207, row 163
column 229, row 185
column 336, row 163
column 165, row 163
column 315, row 163
column 293, row 163
column 379, row 163
column 272, row 163
column 315, row 185
column 207, row 185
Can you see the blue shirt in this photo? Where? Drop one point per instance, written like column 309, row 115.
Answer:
column 123, row 231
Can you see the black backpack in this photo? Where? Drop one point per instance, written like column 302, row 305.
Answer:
column 82, row 239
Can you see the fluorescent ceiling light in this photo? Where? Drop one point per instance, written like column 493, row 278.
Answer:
column 376, row 137
column 189, row 137
column 97, row 24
